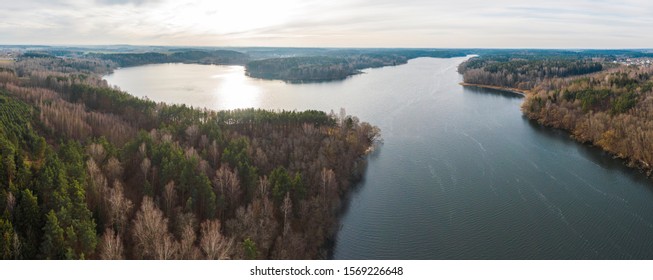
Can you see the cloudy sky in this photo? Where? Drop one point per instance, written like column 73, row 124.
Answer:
column 331, row 23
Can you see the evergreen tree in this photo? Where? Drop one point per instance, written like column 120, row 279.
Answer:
column 251, row 253
column 28, row 223
column 7, row 236
column 53, row 246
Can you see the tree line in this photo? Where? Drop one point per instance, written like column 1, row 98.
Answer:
column 176, row 56
column 525, row 71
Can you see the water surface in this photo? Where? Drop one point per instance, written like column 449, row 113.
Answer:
column 462, row 175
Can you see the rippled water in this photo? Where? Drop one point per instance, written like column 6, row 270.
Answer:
column 462, row 175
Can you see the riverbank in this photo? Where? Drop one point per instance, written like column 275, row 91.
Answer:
column 511, row 90
column 580, row 137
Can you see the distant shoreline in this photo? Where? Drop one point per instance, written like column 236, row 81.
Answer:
column 512, row 90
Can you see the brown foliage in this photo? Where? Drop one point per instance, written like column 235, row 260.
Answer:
column 214, row 245
column 150, row 233
column 111, row 246
column 226, row 183
column 256, row 222
column 119, row 207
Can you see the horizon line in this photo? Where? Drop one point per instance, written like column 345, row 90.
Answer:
column 317, row 47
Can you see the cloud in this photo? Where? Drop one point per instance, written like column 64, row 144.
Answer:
column 124, row 2
column 363, row 23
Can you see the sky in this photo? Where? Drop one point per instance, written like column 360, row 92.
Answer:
column 331, row 23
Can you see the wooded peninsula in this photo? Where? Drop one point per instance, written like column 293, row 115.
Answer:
column 90, row 172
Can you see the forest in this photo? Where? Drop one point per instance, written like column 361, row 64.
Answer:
column 599, row 102
column 524, row 71
column 612, row 110
column 226, row 57
column 90, row 172
column 301, row 69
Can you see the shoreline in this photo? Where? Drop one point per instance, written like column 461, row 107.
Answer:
column 626, row 160
column 507, row 89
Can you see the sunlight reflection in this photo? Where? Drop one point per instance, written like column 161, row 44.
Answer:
column 236, row 90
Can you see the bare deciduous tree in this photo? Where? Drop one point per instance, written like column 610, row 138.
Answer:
column 263, row 186
column 97, row 152
column 11, row 202
column 111, row 247
column 166, row 249
column 257, row 222
column 97, row 187
column 204, row 141
column 113, row 169
column 204, row 167
column 286, row 209
column 214, row 245
column 166, row 138
column 145, row 167
column 329, row 185
column 187, row 248
column 142, row 150
column 16, row 245
column 169, row 197
column 190, row 153
column 192, row 132
column 119, row 207
column 226, row 182
column 214, row 153
column 150, row 233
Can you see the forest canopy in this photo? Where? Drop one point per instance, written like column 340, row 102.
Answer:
column 178, row 56
column 90, row 172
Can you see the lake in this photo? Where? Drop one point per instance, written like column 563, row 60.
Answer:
column 461, row 174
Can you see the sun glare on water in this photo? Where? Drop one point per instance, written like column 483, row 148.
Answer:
column 236, row 90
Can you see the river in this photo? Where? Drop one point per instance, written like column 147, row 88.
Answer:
column 461, row 174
